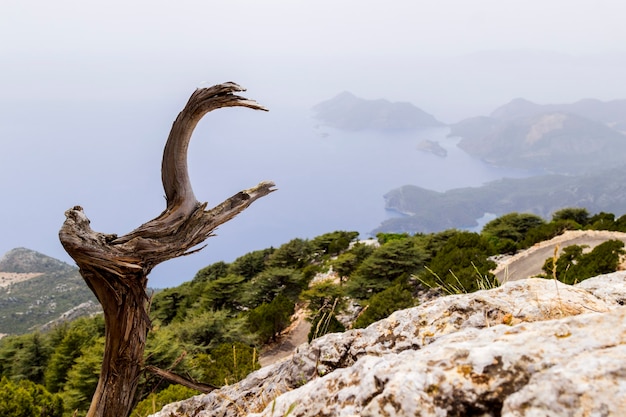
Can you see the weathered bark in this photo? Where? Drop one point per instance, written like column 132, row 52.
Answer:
column 116, row 268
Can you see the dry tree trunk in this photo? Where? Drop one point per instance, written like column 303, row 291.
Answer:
column 116, row 268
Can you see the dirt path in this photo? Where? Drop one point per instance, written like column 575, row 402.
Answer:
column 292, row 337
column 523, row 265
column 529, row 262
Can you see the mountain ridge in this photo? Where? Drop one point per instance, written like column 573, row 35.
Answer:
column 564, row 138
column 36, row 289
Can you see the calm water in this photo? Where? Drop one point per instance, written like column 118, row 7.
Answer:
column 327, row 179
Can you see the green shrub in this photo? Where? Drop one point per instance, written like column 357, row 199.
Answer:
column 156, row 401
column 393, row 260
column 322, row 295
column 269, row 319
column 325, row 323
column 250, row 264
column 548, row 231
column 383, row 304
column 226, row 364
column 461, row 264
column 294, row 254
column 573, row 265
column 578, row 215
column 333, row 243
column 602, row 221
column 27, row 399
column 346, row 263
column 506, row 233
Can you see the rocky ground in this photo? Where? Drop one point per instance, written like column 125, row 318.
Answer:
column 525, row 264
column 531, row 347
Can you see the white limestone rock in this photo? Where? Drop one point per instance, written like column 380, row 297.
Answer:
column 529, row 348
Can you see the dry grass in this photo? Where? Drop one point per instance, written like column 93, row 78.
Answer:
column 8, row 278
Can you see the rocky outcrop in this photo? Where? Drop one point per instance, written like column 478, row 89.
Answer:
column 433, row 147
column 529, row 348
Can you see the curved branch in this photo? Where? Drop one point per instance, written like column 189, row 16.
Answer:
column 185, row 223
column 174, row 172
column 181, row 201
column 116, row 268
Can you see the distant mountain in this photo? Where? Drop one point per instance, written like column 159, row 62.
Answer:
column 430, row 211
column 348, row 112
column 611, row 113
column 563, row 138
column 22, row 260
column 36, row 289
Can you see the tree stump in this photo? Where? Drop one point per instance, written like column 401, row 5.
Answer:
column 116, row 268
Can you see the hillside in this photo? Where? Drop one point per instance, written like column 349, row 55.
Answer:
column 348, row 112
column 36, row 289
column 611, row 113
column 430, row 211
column 562, row 138
column 234, row 318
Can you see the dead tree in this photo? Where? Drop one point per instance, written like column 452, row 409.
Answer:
column 116, row 268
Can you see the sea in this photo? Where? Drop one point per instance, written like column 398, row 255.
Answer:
column 327, row 179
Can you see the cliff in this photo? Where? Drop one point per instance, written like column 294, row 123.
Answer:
column 530, row 347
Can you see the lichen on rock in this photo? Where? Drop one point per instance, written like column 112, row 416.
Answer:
column 531, row 347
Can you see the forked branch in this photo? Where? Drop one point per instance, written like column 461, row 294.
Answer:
column 185, row 223
column 116, row 268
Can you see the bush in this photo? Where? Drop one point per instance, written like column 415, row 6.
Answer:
column 155, row 401
column 393, row 260
column 205, row 330
column 548, row 231
column 602, row 221
column 383, row 304
column 461, row 264
column 250, row 264
column 27, row 399
column 333, row 243
column 226, row 364
column 578, row 215
column 506, row 233
column 270, row 283
column 325, row 323
column 322, row 295
column 346, row 263
column 388, row 237
column 573, row 265
column 269, row 319
column 294, row 254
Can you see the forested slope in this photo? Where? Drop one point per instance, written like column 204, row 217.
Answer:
column 213, row 328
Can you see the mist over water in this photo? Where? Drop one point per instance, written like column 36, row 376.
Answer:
column 327, row 179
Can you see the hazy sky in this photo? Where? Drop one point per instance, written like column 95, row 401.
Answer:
column 89, row 89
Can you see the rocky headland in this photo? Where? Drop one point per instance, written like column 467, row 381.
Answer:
column 348, row 112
